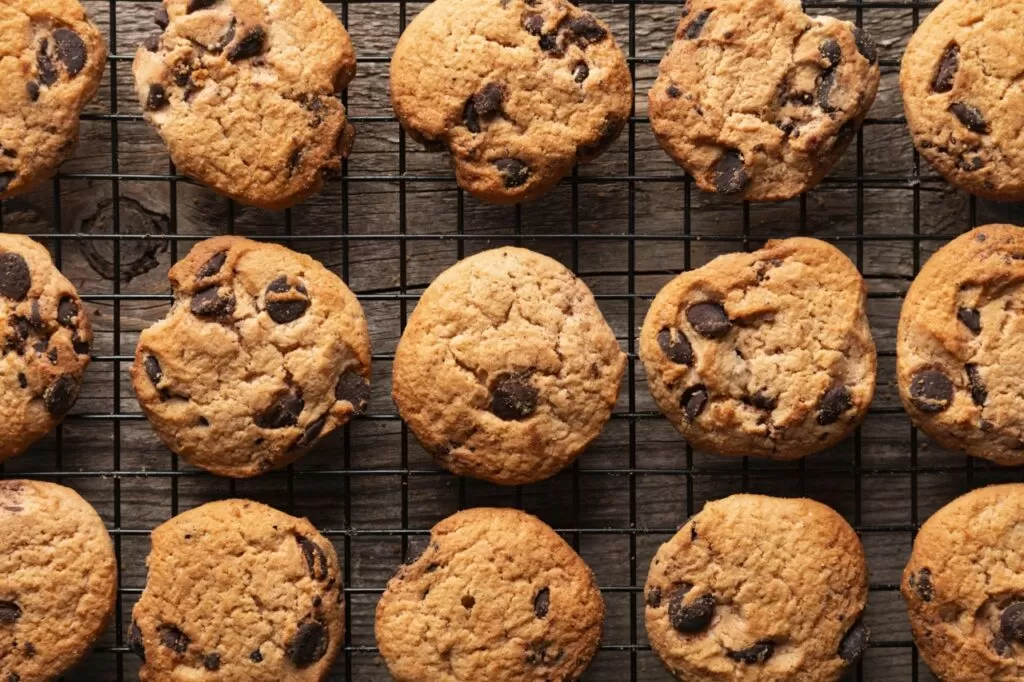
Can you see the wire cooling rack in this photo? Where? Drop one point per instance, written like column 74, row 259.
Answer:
column 118, row 216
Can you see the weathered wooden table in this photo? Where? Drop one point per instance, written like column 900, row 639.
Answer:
column 118, row 216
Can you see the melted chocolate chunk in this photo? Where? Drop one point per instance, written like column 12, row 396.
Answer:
column 135, row 643
column 730, row 174
column 1011, row 623
column 355, row 389
column 514, row 172
column 489, row 99
column 316, row 558
column 212, row 661
column 854, row 642
column 693, row 617
column 931, row 391
column 156, row 98
column 693, row 401
column 9, row 612
column 971, row 318
column 283, row 412
column 44, row 64
column 978, row 392
column 580, row 72
column 921, row 582
column 654, row 597
column 309, row 644
column 61, row 395
column 251, row 45
column 757, row 654
column 67, row 311
column 286, row 302
column 70, row 50
column 709, row 320
column 834, row 403
column 32, row 88
column 970, row 116
column 15, row 278
column 676, row 346
column 696, row 27
column 209, row 303
column 866, row 45
column 945, row 72
column 212, row 266
column 513, row 396
column 173, row 638
column 584, row 30
column 542, row 602
column 311, row 433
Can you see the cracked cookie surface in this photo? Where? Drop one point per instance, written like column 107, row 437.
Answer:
column 757, row 100
column 960, row 345
column 516, row 90
column 964, row 587
column 757, row 588
column 961, row 80
column 51, row 62
column 766, row 353
column 244, row 94
column 58, row 580
column 507, row 370
column 496, row 595
column 240, row 592
column 263, row 352
column 45, row 336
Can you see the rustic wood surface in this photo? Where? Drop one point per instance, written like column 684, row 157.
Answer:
column 638, row 481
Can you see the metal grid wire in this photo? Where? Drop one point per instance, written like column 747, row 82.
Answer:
column 370, row 488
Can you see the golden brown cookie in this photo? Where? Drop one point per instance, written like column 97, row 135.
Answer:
column 766, row 353
column 758, row 100
column 759, row 589
column 243, row 92
column 496, row 595
column 238, row 592
column 516, row 90
column 58, row 580
column 264, row 352
column 961, row 91
column 45, row 337
column 964, row 587
column 507, row 370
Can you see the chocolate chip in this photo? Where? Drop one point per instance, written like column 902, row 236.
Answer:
column 931, row 391
column 489, row 99
column 283, row 412
column 309, row 644
column 353, row 388
column 157, row 97
column 945, row 72
column 22, row 380
column 212, row 266
column 173, row 638
column 209, row 303
column 759, row 653
column 675, row 346
column 834, row 402
column 32, row 88
column 316, row 558
column 249, row 46
column 1011, row 623
column 514, row 172
column 135, row 643
column 709, row 320
column 15, row 278
column 854, row 642
column 580, row 72
column 286, row 302
column 549, row 43
column 696, row 26
column 922, row 584
column 81, row 347
column 978, row 392
column 19, row 335
column 70, row 50
column 67, row 311
column 693, row 401
column 212, row 661
column 153, row 370
column 970, row 116
column 152, row 43
column 534, row 24
column 654, row 597
column 161, row 18
column 470, row 118
column 831, row 52
column 9, row 612
column 196, row 5
column 674, row 92
column 971, row 317
column 44, row 64
column 52, row 355
column 61, row 395
column 693, row 617
column 256, row 656
column 1001, row 646
column 584, row 30
column 866, row 45
column 762, row 401
column 542, row 602
column 730, row 174
column 311, row 433
column 513, row 396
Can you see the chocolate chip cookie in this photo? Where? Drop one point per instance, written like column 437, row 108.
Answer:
column 243, row 92
column 58, row 580
column 45, row 338
column 759, row 588
column 757, row 100
column 53, row 59
column 516, row 90
column 766, row 353
column 964, row 587
column 238, row 591
column 507, row 370
column 960, row 349
column 264, row 352
column 960, row 80
column 496, row 595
